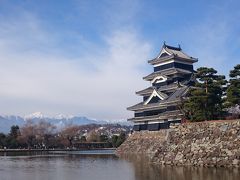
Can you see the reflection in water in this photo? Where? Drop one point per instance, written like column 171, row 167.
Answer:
column 145, row 171
column 101, row 167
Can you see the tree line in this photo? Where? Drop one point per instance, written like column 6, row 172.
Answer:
column 212, row 96
column 44, row 135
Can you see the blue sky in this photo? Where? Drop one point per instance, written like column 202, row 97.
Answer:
column 88, row 57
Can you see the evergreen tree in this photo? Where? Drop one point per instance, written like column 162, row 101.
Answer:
column 233, row 90
column 114, row 140
column 14, row 131
column 121, row 139
column 195, row 107
column 2, row 140
column 11, row 138
column 205, row 100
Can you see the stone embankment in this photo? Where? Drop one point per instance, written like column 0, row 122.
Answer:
column 198, row 144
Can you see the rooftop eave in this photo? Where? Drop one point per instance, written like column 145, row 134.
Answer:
column 151, row 76
column 173, row 56
column 146, row 91
column 165, row 73
column 140, row 106
column 161, row 105
column 163, row 116
column 192, row 59
column 160, row 58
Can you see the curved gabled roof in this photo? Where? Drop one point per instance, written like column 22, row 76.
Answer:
column 166, row 72
column 173, row 98
column 162, row 96
column 170, row 52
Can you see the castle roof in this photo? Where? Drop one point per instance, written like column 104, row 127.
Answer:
column 170, row 52
column 146, row 91
column 173, row 98
column 163, row 116
column 169, row 71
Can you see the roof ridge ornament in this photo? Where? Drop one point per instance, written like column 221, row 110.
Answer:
column 179, row 46
column 164, row 43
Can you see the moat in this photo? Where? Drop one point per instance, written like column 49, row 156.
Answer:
column 101, row 166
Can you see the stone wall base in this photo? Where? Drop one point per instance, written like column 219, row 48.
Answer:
column 197, row 144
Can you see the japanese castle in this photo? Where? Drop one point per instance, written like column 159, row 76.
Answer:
column 172, row 77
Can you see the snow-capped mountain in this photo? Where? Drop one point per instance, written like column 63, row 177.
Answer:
column 38, row 115
column 59, row 121
column 62, row 116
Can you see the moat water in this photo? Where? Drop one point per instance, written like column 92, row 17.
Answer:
column 99, row 165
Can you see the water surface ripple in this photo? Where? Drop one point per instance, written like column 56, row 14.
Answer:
column 100, row 166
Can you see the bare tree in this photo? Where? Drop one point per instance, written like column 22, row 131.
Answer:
column 93, row 136
column 36, row 135
column 69, row 133
column 27, row 136
column 44, row 131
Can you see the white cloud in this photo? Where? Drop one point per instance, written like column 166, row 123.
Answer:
column 36, row 80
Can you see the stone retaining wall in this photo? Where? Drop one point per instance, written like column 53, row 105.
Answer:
column 199, row 144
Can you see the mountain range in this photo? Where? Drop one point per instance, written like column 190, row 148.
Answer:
column 59, row 121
